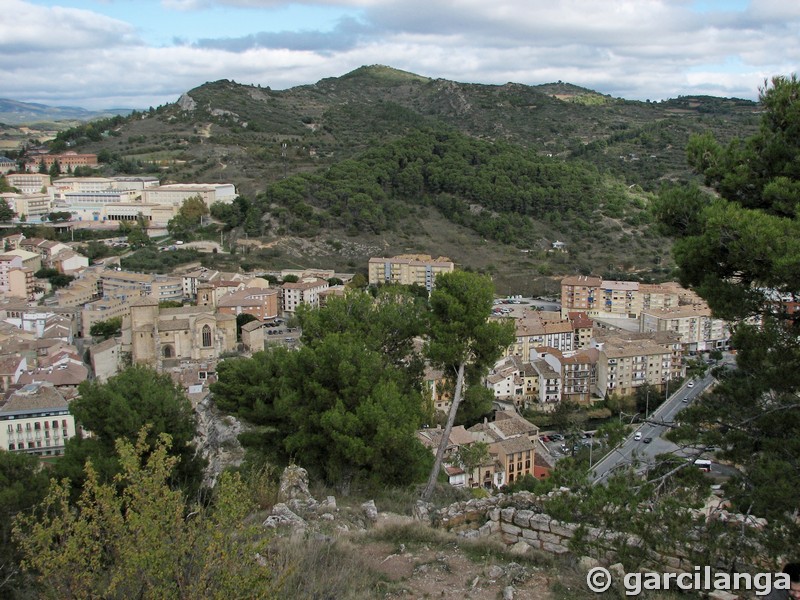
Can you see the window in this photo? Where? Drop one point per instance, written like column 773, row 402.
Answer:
column 55, row 424
column 64, row 423
column 206, row 336
column 10, row 428
column 11, row 447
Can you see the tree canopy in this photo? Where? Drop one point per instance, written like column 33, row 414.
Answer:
column 342, row 405
column 463, row 342
column 118, row 409
column 132, row 537
column 740, row 249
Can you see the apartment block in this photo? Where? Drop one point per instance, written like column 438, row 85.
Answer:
column 408, row 269
column 31, row 206
column 29, row 183
column 629, row 360
column 261, row 303
column 533, row 331
column 600, row 298
column 36, row 420
column 578, row 373
column 305, row 291
column 696, row 328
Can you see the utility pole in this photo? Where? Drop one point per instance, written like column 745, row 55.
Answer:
column 647, row 405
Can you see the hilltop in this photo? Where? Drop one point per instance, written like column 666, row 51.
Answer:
column 256, row 137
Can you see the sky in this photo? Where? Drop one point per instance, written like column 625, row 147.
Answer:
column 100, row 54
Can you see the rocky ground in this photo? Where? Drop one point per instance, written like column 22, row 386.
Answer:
column 446, row 571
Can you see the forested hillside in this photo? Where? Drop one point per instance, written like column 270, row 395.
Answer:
column 380, row 160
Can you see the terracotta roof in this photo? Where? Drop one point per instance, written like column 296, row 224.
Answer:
column 173, row 324
column 517, row 444
column 582, row 280
column 34, row 397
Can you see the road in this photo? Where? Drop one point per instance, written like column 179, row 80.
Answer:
column 632, row 451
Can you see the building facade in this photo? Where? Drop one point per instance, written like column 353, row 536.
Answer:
column 36, row 420
column 408, row 269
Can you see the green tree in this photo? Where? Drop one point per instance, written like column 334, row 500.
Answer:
column 106, row 329
column 119, row 408
column 23, row 484
column 183, row 225
column 741, row 252
column 55, row 170
column 6, row 212
column 353, row 414
column 136, row 233
column 462, row 341
column 132, row 537
column 59, row 216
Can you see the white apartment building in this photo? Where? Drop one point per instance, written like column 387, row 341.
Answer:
column 305, row 291
column 36, row 420
column 175, row 194
column 408, row 269
column 29, row 183
column 629, row 360
column 697, row 329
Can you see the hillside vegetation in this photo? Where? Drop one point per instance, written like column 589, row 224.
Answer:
column 371, row 159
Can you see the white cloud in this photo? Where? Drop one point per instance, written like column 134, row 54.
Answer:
column 30, row 28
column 630, row 48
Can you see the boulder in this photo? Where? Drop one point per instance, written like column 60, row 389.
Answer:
column 370, row 510
column 294, row 485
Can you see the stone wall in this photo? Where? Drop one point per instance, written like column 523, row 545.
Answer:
column 520, row 519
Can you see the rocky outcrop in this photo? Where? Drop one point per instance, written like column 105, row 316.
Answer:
column 217, row 439
column 186, row 102
column 294, row 485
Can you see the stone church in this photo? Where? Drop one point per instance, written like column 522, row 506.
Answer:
column 165, row 337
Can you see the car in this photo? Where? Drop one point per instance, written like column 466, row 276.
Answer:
column 685, row 400
column 637, row 436
column 557, row 437
column 690, row 384
column 545, row 438
column 647, row 440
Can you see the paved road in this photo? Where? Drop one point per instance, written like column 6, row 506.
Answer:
column 632, row 451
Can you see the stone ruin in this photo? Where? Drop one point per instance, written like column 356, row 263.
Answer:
column 300, row 511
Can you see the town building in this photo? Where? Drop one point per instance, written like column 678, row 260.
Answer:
column 628, row 360
column 408, row 269
column 176, row 193
column 67, row 161
column 697, row 329
column 36, row 420
column 29, row 183
column 259, row 302
column 305, row 291
column 162, row 337
column 600, row 298
column 28, row 207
